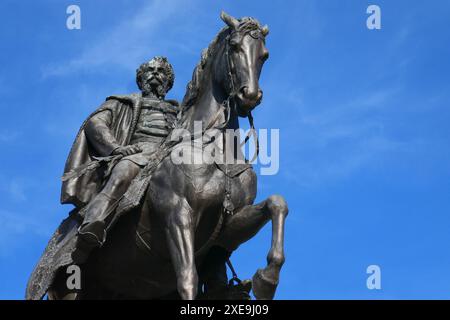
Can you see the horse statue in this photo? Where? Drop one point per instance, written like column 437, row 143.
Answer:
column 191, row 213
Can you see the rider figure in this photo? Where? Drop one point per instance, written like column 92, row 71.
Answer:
column 152, row 124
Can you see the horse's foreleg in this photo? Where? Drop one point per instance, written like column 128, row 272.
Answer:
column 265, row 281
column 244, row 224
column 180, row 239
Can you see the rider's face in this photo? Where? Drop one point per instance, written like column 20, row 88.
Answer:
column 155, row 75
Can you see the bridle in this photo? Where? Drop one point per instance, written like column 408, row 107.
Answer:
column 231, row 97
column 226, row 107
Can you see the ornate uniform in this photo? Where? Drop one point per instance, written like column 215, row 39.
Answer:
column 156, row 120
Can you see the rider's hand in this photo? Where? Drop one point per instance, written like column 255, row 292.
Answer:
column 127, row 150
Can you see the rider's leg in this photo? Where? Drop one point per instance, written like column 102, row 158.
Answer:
column 100, row 207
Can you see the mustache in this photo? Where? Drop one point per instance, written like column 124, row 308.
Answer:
column 159, row 89
column 154, row 76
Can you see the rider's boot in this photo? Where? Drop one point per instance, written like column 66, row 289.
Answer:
column 92, row 232
column 90, row 237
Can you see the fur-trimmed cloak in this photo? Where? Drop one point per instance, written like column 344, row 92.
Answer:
column 88, row 164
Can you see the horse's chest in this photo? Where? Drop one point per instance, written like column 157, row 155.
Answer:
column 210, row 185
column 243, row 188
column 208, row 182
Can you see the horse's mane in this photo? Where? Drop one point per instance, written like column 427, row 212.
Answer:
column 193, row 87
column 247, row 24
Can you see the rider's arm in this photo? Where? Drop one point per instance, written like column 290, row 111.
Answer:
column 99, row 134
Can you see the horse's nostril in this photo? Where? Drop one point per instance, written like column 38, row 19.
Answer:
column 260, row 94
column 250, row 94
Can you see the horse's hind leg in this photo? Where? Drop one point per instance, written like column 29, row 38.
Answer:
column 244, row 224
column 180, row 239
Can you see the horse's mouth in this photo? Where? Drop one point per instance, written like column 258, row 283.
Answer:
column 244, row 106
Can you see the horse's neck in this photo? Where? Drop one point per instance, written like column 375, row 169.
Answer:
column 210, row 108
column 206, row 109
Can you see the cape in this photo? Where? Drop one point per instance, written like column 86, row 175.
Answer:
column 84, row 172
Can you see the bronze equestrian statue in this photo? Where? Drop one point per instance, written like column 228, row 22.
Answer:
column 147, row 228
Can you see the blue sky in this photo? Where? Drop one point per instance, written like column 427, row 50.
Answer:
column 363, row 118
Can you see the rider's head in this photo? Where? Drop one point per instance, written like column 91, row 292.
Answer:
column 155, row 76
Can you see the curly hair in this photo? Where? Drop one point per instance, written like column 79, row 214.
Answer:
column 168, row 69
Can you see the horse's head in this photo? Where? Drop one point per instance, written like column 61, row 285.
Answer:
column 244, row 55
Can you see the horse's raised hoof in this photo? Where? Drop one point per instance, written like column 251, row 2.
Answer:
column 263, row 287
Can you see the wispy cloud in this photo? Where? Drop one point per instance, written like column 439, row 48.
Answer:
column 15, row 189
column 332, row 134
column 8, row 136
column 14, row 225
column 332, row 142
column 128, row 43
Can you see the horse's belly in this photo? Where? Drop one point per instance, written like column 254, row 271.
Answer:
column 133, row 265
column 139, row 276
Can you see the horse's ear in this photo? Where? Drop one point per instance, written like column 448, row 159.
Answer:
column 229, row 20
column 265, row 30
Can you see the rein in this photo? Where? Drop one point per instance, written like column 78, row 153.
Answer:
column 226, row 105
column 227, row 202
column 252, row 131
